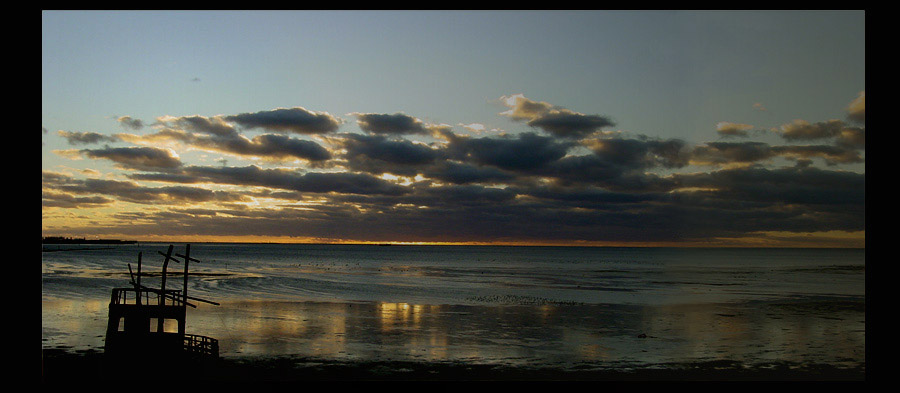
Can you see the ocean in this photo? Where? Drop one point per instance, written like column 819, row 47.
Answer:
column 568, row 308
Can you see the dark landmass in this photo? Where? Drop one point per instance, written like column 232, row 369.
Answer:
column 62, row 366
column 72, row 240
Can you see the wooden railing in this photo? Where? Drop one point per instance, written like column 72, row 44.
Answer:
column 201, row 345
column 147, row 296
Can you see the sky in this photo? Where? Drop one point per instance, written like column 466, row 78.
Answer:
column 598, row 128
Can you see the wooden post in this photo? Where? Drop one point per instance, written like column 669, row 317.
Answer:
column 138, row 297
column 187, row 259
column 160, row 326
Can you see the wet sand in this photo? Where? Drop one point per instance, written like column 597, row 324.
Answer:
column 60, row 366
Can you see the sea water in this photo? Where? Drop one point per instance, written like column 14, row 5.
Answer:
column 584, row 307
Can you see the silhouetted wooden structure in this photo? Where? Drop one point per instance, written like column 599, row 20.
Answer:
column 138, row 315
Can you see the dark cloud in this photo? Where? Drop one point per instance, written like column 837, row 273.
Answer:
column 593, row 197
column 396, row 124
column 130, row 122
column 642, row 153
column 566, row 182
column 785, row 186
column 570, row 124
column 316, row 182
column 60, row 185
column 297, row 120
column 85, row 138
column 213, row 126
column 557, row 121
column 524, row 152
column 721, row 153
column 460, row 173
column 227, row 140
column 268, row 146
column 139, row 158
column 69, row 201
column 601, row 171
column 378, row 154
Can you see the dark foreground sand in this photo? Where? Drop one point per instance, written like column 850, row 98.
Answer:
column 62, row 366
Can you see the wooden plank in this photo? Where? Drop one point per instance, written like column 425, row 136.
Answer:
column 186, row 257
column 168, row 257
column 171, row 296
column 157, row 291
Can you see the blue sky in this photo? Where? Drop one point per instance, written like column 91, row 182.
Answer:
column 666, row 74
column 672, row 72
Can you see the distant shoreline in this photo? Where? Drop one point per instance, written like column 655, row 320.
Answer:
column 70, row 240
column 401, row 244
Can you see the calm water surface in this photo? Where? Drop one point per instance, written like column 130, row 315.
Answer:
column 535, row 306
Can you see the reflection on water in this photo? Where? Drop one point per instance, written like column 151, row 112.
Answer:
column 77, row 324
column 572, row 307
column 595, row 336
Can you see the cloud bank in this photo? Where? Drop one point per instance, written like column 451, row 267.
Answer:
column 567, row 178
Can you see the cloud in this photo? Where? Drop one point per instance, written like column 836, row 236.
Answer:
column 206, row 125
column 726, row 129
column 378, row 154
column 565, row 180
column 524, row 109
column 856, row 111
column 217, row 136
column 296, row 120
column 462, row 173
column 641, row 153
column 559, row 122
column 832, row 155
column 130, row 123
column 601, row 171
column 139, row 158
column 785, row 186
column 85, row 138
column 62, row 187
column 315, row 182
column 69, row 201
column 525, row 152
column 386, row 124
column 852, row 138
column 844, row 135
column 801, row 130
column 280, row 146
column 722, row 153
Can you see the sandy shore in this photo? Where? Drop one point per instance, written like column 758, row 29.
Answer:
column 63, row 366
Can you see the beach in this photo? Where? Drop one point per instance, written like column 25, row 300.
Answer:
column 520, row 329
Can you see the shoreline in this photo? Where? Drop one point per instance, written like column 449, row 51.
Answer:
column 59, row 365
